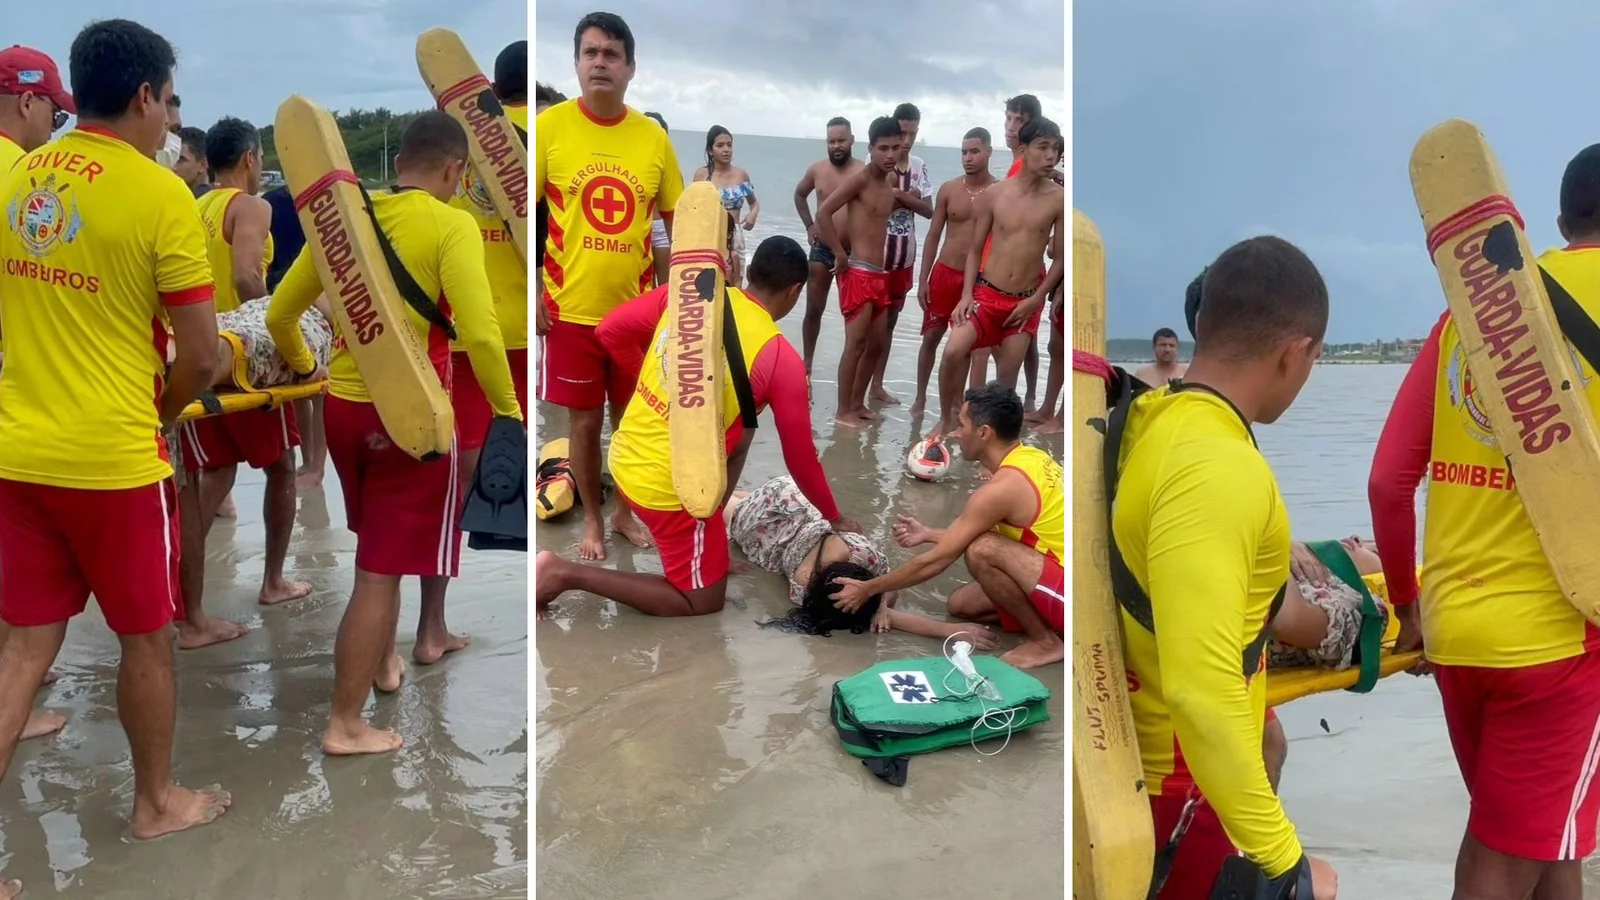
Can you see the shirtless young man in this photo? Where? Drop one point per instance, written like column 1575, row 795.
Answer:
column 944, row 268
column 239, row 247
column 870, row 194
column 900, row 246
column 823, row 176
column 1019, row 111
column 86, row 500
column 1012, row 534
column 1002, row 296
column 1166, row 367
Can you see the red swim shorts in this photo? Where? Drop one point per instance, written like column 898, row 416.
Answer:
column 900, row 281
column 575, row 371
column 258, row 437
column 1527, row 741
column 404, row 512
column 860, row 289
column 694, row 552
column 473, row 413
column 59, row 545
column 944, row 293
column 1048, row 597
column 1200, row 855
column 989, row 314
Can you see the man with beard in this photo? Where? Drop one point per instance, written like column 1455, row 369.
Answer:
column 943, row 269
column 1166, row 367
column 824, row 177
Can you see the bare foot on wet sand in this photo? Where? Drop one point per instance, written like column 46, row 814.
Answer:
column 1034, row 417
column 593, row 545
column 850, row 420
column 1032, row 655
column 282, row 592
column 10, row 889
column 630, row 528
column 308, row 481
column 391, row 674
column 228, row 509
column 48, row 679
column 39, row 724
column 546, row 582
column 366, row 739
column 884, row 397
column 184, row 809
column 208, row 631
column 429, row 650
column 1052, row 426
column 917, row 407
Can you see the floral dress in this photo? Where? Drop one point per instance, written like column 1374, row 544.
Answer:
column 1342, row 603
column 246, row 329
column 777, row 528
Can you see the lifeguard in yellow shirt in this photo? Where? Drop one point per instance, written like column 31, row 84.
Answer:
column 404, row 512
column 1012, row 534
column 1202, row 528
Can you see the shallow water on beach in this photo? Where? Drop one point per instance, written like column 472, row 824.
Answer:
column 446, row 816
column 1371, row 782
column 694, row 758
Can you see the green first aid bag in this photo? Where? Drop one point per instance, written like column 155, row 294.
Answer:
column 903, row 707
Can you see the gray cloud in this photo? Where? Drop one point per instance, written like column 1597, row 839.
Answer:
column 960, row 58
column 1200, row 122
column 243, row 58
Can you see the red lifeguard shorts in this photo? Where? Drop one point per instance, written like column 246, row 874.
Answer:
column 258, row 437
column 1048, row 597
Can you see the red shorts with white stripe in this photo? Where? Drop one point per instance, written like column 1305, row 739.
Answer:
column 258, row 437
column 59, row 545
column 1527, row 741
column 694, row 552
column 1048, row 597
column 404, row 512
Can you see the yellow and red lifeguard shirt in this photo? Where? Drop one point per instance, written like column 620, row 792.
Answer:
column 604, row 181
column 1488, row 596
column 98, row 241
column 1203, row 528
column 1047, row 533
column 443, row 251
column 10, row 152
column 508, row 271
column 213, row 206
column 640, row 458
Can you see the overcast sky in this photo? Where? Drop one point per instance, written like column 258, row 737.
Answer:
column 1201, row 122
column 781, row 67
column 244, row 57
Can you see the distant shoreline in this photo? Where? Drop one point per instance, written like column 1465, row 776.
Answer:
column 1321, row 362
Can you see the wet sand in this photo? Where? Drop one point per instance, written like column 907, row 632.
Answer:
column 444, row 817
column 695, row 759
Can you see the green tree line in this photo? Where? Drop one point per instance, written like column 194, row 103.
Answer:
column 363, row 132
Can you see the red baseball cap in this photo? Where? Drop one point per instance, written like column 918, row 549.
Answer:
column 24, row 70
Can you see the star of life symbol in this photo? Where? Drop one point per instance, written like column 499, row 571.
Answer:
column 43, row 217
column 908, row 687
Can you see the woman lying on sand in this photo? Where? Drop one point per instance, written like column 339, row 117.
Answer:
column 1319, row 626
column 780, row 531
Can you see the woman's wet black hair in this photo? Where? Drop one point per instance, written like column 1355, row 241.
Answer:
column 711, row 138
column 816, row 613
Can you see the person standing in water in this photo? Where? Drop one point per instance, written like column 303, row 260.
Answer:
column 733, row 183
column 915, row 198
column 603, row 167
column 87, row 504
column 34, row 105
column 239, row 246
column 870, row 194
column 824, row 177
column 1019, row 111
column 1166, row 366
column 1004, row 291
column 944, row 265
column 1518, row 667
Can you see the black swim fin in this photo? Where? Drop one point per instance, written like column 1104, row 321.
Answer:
column 495, row 516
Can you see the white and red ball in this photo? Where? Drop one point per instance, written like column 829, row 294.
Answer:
column 928, row 461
